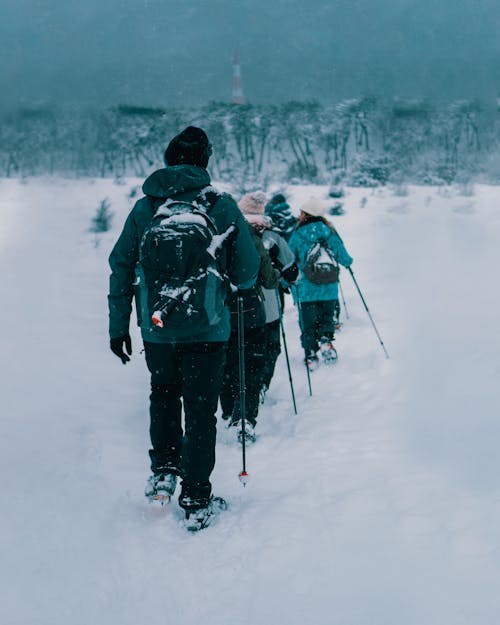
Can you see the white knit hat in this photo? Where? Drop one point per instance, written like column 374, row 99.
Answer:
column 253, row 203
column 314, row 206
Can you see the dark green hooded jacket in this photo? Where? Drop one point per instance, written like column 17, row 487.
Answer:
column 239, row 260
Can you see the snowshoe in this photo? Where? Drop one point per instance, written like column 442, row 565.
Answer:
column 312, row 362
column 160, row 487
column 249, row 434
column 328, row 352
column 199, row 518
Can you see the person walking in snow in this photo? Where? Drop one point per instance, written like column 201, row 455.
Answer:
column 252, row 206
column 318, row 250
column 186, row 358
column 283, row 260
column 279, row 212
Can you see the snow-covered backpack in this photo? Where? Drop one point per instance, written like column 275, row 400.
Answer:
column 320, row 266
column 178, row 257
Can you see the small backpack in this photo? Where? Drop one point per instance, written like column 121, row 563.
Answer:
column 178, row 257
column 320, row 266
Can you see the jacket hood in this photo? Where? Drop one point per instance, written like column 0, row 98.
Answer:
column 170, row 181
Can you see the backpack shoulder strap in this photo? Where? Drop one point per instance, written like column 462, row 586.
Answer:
column 208, row 197
column 212, row 197
column 155, row 203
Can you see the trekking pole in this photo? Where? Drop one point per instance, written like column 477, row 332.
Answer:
column 286, row 350
column 243, row 475
column 343, row 300
column 369, row 315
column 299, row 308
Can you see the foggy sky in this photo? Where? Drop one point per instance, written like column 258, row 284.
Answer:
column 163, row 52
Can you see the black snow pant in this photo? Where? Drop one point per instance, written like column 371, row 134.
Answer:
column 193, row 372
column 317, row 322
column 272, row 349
column 336, row 311
column 254, row 361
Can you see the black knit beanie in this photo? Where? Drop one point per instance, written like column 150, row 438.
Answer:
column 190, row 147
column 279, row 198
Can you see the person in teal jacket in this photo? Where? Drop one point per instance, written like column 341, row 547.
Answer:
column 184, row 365
column 317, row 302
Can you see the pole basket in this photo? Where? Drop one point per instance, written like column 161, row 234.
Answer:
column 243, row 477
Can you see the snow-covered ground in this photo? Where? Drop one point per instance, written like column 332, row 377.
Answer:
column 378, row 504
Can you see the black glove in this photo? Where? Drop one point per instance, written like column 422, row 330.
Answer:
column 290, row 273
column 273, row 252
column 117, row 344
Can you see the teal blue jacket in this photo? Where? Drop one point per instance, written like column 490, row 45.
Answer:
column 300, row 242
column 239, row 261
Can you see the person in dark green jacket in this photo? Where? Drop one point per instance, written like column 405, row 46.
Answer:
column 183, row 364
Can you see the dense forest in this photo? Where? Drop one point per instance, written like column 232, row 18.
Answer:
column 360, row 142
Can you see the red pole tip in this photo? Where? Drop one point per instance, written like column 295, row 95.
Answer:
column 157, row 320
column 243, row 477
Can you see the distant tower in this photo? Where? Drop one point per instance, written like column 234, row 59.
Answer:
column 238, row 97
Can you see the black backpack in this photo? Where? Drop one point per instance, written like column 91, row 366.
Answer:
column 320, row 266
column 178, row 256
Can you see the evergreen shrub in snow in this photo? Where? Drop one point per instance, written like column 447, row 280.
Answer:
column 101, row 222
